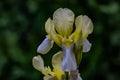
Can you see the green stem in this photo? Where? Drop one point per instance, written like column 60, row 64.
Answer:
column 67, row 75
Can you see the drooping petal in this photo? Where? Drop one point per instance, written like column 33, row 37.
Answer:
column 68, row 62
column 86, row 45
column 85, row 24
column 38, row 63
column 45, row 46
column 63, row 19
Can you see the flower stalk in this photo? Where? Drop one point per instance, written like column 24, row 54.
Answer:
column 67, row 75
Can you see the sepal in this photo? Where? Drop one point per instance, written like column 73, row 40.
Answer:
column 45, row 46
column 86, row 46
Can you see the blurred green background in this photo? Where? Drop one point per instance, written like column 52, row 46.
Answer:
column 22, row 30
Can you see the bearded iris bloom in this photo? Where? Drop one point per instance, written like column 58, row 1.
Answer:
column 73, row 42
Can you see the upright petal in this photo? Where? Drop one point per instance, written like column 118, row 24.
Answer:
column 48, row 26
column 38, row 63
column 86, row 45
column 55, row 36
column 50, row 29
column 45, row 46
column 68, row 62
column 57, row 64
column 57, row 60
column 85, row 24
column 63, row 19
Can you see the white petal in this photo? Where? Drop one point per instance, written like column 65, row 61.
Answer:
column 86, row 45
column 63, row 19
column 45, row 46
column 69, row 61
column 85, row 24
column 38, row 63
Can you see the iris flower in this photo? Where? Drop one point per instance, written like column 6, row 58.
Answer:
column 70, row 34
column 56, row 74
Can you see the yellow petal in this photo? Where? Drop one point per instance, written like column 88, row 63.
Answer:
column 48, row 25
column 38, row 63
column 45, row 46
column 57, row 64
column 67, row 42
column 50, row 29
column 47, row 71
column 57, row 60
column 63, row 19
column 56, row 37
column 85, row 24
column 75, row 36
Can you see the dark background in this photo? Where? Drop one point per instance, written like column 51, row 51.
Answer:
column 22, row 30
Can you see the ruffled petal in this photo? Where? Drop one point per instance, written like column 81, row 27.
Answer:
column 85, row 24
column 86, row 45
column 69, row 61
column 38, row 63
column 45, row 46
column 63, row 19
